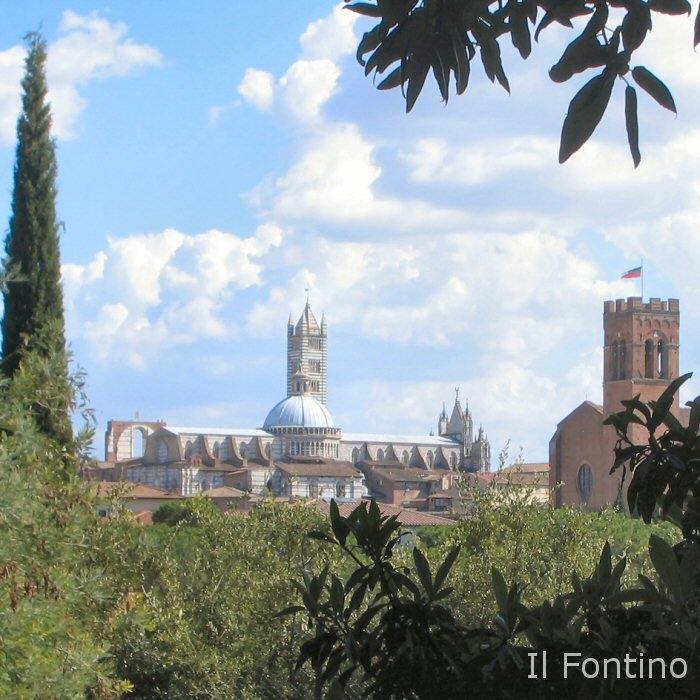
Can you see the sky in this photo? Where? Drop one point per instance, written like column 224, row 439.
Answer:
column 215, row 162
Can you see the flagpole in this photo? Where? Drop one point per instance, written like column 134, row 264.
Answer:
column 641, row 277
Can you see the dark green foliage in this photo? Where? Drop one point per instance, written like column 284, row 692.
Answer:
column 191, row 512
column 665, row 468
column 443, row 36
column 386, row 630
column 49, row 645
column 192, row 611
column 33, row 315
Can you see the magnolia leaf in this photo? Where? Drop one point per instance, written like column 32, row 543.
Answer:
column 651, row 84
column 632, row 124
column 671, row 7
column 664, row 559
column 585, row 112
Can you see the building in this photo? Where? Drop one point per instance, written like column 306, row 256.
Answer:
column 299, row 450
column 641, row 342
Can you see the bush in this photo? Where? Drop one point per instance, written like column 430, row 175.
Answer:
column 386, row 629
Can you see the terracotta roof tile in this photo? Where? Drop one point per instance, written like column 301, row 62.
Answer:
column 408, row 518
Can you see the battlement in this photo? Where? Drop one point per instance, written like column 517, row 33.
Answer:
column 637, row 304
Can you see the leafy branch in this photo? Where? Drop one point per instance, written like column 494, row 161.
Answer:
column 414, row 37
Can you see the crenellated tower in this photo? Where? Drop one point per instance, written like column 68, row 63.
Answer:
column 641, row 350
column 307, row 348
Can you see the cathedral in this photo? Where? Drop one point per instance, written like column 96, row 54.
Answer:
column 299, row 450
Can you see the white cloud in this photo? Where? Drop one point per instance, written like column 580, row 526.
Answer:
column 308, row 85
column 258, row 88
column 149, row 292
column 309, row 82
column 434, row 159
column 88, row 48
column 332, row 37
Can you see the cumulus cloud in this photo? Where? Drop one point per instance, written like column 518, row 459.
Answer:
column 149, row 292
column 258, row 88
column 434, row 159
column 88, row 48
column 509, row 293
column 310, row 81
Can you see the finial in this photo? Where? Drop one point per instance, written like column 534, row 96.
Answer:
column 456, row 393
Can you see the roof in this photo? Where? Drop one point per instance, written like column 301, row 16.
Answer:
column 301, row 411
column 405, row 474
column 223, row 432
column 129, row 490
column 533, row 474
column 307, row 320
column 433, row 440
column 320, row 468
column 584, row 404
column 224, row 492
column 408, row 518
column 528, row 468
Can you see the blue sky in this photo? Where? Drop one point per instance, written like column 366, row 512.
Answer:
column 214, row 162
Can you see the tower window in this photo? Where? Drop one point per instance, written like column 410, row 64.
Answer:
column 649, row 359
column 584, row 481
column 621, row 356
column 662, row 359
column 162, row 452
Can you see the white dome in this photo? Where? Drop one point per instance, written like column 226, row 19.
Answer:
column 301, row 411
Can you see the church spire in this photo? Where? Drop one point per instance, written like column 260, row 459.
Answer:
column 307, row 344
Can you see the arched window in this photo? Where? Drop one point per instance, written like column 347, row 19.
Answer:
column 225, row 450
column 584, row 481
column 649, row 359
column 380, row 455
column 429, row 459
column 662, row 359
column 453, row 461
column 243, row 450
column 188, row 449
column 615, row 361
column 621, row 357
column 404, row 456
column 139, row 441
column 162, row 452
column 215, row 449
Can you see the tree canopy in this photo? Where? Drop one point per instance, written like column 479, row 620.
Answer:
column 413, row 37
column 33, row 296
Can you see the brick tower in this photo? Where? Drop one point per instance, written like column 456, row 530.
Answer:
column 641, row 350
column 641, row 357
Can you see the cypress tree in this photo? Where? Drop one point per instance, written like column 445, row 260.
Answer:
column 33, row 315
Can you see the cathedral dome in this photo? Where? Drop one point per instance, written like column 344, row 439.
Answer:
column 302, row 411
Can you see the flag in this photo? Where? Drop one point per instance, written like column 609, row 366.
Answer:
column 634, row 272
